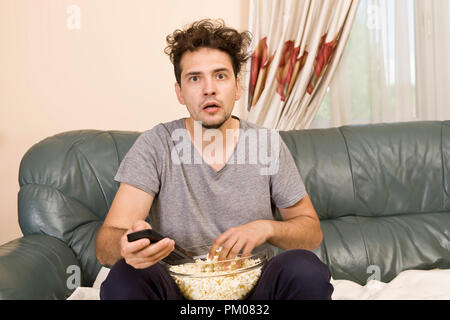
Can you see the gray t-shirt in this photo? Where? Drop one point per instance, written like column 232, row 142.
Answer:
column 193, row 203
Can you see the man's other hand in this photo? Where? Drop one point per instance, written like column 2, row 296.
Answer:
column 245, row 237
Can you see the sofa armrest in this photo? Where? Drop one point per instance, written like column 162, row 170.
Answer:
column 35, row 267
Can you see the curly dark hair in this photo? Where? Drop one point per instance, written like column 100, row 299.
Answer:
column 210, row 34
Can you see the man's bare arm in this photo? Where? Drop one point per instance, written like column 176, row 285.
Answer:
column 300, row 228
column 130, row 206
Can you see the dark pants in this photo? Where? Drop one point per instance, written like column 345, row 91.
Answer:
column 290, row 275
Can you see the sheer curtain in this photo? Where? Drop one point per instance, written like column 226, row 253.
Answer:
column 396, row 66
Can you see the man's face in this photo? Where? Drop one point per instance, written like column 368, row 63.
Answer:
column 208, row 87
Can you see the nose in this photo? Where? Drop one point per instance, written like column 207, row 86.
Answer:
column 209, row 88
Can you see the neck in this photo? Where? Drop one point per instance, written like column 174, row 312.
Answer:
column 225, row 139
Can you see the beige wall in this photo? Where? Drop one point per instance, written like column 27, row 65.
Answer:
column 109, row 74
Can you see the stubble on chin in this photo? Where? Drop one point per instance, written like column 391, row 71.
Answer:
column 212, row 126
column 215, row 125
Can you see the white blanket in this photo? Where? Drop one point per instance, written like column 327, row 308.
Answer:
column 411, row 284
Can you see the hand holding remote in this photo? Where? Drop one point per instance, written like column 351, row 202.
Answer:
column 143, row 253
column 177, row 256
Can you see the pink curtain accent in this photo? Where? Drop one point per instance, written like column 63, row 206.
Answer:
column 299, row 44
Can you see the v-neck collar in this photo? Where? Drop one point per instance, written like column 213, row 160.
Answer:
column 211, row 169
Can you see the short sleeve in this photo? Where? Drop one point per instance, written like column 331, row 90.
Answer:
column 139, row 167
column 287, row 187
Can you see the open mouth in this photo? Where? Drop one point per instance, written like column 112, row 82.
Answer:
column 211, row 107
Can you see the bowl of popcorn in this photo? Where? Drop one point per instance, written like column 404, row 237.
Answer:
column 211, row 279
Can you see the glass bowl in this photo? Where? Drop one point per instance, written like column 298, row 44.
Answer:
column 219, row 280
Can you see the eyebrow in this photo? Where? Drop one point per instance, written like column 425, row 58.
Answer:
column 196, row 73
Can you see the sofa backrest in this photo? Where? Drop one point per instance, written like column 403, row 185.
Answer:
column 382, row 194
column 67, row 186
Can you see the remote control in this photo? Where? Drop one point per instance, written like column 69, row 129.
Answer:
column 177, row 256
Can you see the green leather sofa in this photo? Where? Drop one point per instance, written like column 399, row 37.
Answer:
column 382, row 192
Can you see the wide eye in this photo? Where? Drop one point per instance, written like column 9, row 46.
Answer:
column 193, row 78
column 221, row 76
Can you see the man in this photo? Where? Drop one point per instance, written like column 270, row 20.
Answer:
column 200, row 197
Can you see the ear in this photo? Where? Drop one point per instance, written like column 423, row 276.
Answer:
column 238, row 88
column 179, row 94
